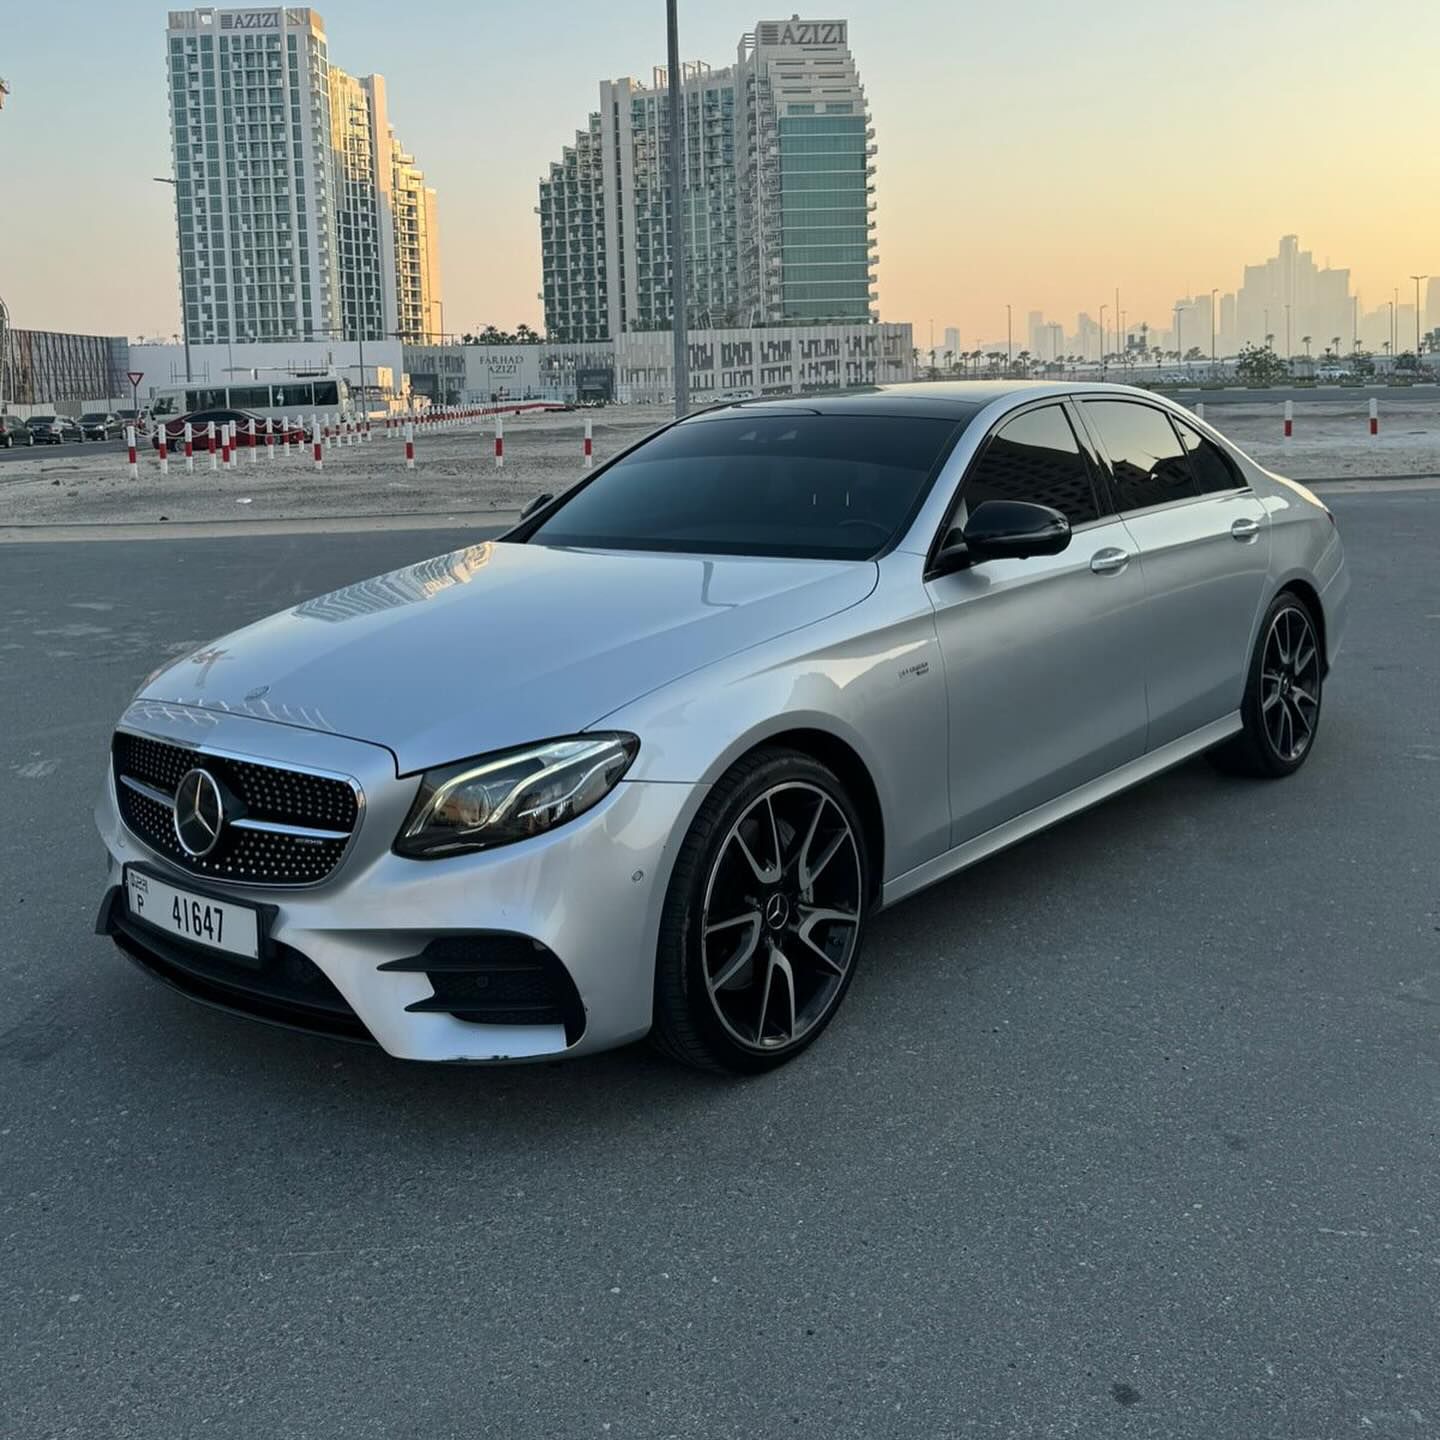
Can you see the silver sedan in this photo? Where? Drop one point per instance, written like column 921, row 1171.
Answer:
column 649, row 763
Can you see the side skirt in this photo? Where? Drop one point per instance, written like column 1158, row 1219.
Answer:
column 1061, row 808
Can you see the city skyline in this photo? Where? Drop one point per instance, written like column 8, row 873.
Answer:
column 982, row 198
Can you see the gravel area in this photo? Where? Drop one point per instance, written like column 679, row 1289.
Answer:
column 455, row 470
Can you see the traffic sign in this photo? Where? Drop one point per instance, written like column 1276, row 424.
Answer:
column 134, row 377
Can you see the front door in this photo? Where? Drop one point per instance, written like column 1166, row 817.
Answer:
column 1042, row 656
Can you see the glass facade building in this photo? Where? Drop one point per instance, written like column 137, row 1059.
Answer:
column 777, row 195
column 46, row 367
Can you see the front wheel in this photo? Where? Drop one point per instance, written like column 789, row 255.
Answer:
column 763, row 918
column 1283, row 691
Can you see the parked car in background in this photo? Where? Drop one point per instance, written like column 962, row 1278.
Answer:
column 200, row 420
column 52, row 429
column 97, row 425
column 14, row 431
column 140, row 419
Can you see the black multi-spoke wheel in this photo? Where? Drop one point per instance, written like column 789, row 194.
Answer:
column 763, row 917
column 1281, row 709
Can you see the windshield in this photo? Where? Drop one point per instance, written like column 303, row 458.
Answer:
column 93, row 418
column 737, row 483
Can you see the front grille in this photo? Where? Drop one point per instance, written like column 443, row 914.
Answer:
column 253, row 849
column 496, row 978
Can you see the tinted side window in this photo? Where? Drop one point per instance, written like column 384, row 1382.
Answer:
column 1034, row 457
column 327, row 392
column 1214, row 470
column 1150, row 465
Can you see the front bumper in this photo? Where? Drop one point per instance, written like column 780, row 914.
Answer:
column 381, row 931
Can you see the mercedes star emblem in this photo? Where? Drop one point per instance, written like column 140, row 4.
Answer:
column 199, row 813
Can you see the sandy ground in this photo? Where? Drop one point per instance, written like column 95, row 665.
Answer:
column 455, row 469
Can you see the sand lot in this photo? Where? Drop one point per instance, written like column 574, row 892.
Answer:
column 455, row 470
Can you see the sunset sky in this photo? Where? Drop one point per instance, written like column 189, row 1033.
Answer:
column 1040, row 153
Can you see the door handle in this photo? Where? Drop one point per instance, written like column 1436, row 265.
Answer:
column 1245, row 529
column 1109, row 561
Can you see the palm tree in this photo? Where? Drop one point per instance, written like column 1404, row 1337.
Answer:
column 1305, row 341
column 1335, row 341
column 1269, row 342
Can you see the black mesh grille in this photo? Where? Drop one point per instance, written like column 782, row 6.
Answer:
column 264, row 793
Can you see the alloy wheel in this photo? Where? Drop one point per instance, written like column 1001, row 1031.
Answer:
column 781, row 917
column 1290, row 684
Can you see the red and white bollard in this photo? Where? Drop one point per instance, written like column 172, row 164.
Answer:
column 1289, row 418
column 134, row 459
column 318, row 444
column 589, row 447
column 1199, row 409
column 499, row 443
column 254, row 440
column 269, row 438
column 225, row 442
column 409, row 446
column 210, row 442
column 160, row 438
column 1374, row 418
column 189, row 449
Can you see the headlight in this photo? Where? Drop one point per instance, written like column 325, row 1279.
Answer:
column 497, row 799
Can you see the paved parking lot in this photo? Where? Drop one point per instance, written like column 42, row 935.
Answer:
column 1131, row 1132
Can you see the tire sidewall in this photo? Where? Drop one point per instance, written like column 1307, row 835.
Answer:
column 685, row 905
column 1254, row 716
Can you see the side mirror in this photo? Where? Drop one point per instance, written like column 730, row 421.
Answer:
column 535, row 504
column 1004, row 530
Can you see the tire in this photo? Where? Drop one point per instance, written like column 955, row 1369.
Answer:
column 743, row 995
column 1283, row 695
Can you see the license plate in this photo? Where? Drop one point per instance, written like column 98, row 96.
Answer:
column 218, row 924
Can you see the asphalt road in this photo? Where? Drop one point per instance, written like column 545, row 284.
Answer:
column 66, row 447
column 1131, row 1132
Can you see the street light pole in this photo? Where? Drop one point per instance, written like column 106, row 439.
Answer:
column 1417, row 279
column 1103, row 309
column 680, row 353
column 1213, row 293
column 184, row 308
column 1009, row 341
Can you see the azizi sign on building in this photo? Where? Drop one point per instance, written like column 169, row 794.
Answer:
column 502, row 372
column 800, row 32
column 250, row 19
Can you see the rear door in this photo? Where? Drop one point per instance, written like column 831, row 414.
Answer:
column 1041, row 656
column 1204, row 546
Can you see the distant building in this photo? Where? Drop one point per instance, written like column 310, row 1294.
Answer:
column 776, row 190
column 1289, row 291
column 636, row 367
column 285, row 173
column 51, row 369
column 952, row 339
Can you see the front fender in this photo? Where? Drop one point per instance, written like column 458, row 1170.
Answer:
column 869, row 677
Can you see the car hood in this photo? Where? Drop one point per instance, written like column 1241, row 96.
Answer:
column 501, row 644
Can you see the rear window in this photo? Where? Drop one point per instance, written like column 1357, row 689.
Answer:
column 805, row 485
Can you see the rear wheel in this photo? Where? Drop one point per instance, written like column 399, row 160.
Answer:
column 1283, row 692
column 764, row 916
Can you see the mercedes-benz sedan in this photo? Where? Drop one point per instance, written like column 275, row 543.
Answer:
column 650, row 762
